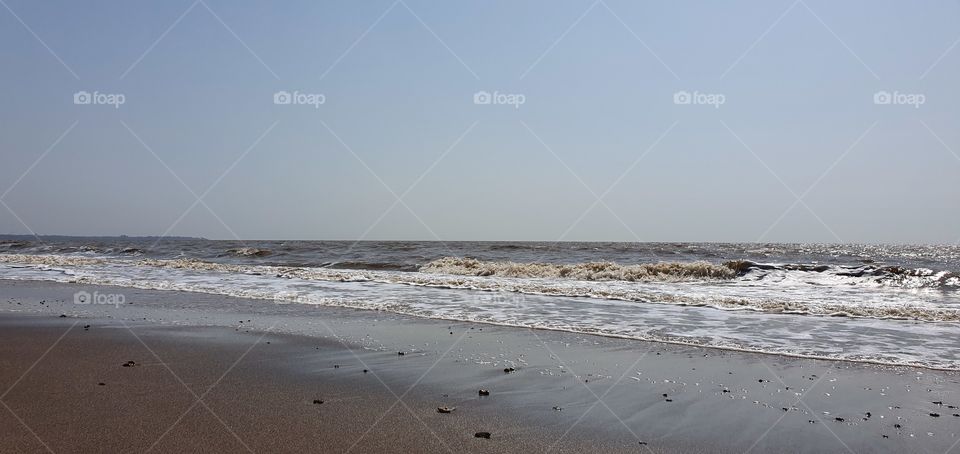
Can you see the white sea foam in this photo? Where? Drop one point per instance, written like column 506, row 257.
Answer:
column 649, row 310
column 793, row 289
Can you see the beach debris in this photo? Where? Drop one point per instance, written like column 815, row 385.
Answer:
column 507, row 370
column 669, row 400
column 129, row 364
column 482, row 435
column 838, row 419
column 885, row 436
column 811, row 421
column 86, row 327
column 957, row 415
column 365, row 371
column 63, row 315
column 446, row 409
column 897, row 426
column 400, row 353
column 483, row 392
column 557, row 408
column 868, row 414
column 317, row 401
column 934, row 415
column 101, row 384
column 336, row 366
column 938, row 403
column 643, row 443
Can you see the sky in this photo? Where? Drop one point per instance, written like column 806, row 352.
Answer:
column 596, row 120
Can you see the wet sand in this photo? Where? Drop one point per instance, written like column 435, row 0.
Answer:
column 565, row 393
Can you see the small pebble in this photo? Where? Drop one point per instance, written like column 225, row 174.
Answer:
column 482, row 435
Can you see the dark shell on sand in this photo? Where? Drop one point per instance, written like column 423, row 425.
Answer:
column 482, row 435
column 483, row 392
column 446, row 409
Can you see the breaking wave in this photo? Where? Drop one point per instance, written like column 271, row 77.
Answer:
column 867, row 291
column 590, row 271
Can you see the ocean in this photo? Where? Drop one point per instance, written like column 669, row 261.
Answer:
column 889, row 304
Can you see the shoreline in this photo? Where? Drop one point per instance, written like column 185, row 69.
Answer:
column 612, row 335
column 609, row 390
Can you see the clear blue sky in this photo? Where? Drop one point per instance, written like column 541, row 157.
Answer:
column 598, row 80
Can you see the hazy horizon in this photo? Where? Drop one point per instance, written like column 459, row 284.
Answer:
column 793, row 121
